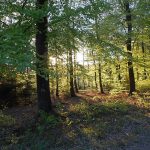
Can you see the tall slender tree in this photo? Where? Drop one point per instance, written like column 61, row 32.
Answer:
column 129, row 47
column 100, row 78
column 95, row 69
column 57, row 77
column 143, row 51
column 75, row 73
column 72, row 92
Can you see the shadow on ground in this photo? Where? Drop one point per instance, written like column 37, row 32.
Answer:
column 106, row 125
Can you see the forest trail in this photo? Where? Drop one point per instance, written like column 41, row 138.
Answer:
column 93, row 121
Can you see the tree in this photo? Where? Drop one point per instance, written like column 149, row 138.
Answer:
column 57, row 77
column 129, row 47
column 72, row 92
column 43, row 90
column 100, row 78
column 75, row 74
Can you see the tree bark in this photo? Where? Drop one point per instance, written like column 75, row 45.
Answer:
column 83, row 81
column 72, row 92
column 57, row 78
column 118, row 72
column 95, row 74
column 100, row 79
column 43, row 90
column 88, row 67
column 75, row 75
column 143, row 51
column 67, row 73
column 129, row 48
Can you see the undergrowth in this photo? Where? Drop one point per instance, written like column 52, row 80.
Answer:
column 6, row 120
column 86, row 124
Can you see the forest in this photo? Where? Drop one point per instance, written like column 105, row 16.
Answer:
column 74, row 74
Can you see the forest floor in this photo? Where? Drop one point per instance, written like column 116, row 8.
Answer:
column 90, row 121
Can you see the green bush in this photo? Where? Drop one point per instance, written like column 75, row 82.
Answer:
column 48, row 119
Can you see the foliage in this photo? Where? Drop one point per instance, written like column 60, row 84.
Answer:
column 48, row 119
column 97, row 26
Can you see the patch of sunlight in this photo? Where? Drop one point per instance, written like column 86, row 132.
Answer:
column 88, row 131
column 71, row 134
column 142, row 103
column 147, row 115
column 82, row 107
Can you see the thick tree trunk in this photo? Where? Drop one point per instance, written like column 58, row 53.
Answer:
column 72, row 92
column 100, row 78
column 129, row 48
column 43, row 91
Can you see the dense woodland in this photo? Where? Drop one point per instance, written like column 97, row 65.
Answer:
column 70, row 65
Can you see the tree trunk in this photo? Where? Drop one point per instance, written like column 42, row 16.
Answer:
column 57, row 78
column 118, row 72
column 72, row 92
column 83, row 82
column 67, row 69
column 88, row 76
column 129, row 49
column 95, row 74
column 75, row 76
column 95, row 77
column 143, row 51
column 43, row 90
column 137, row 71
column 100, row 78
column 118, row 68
